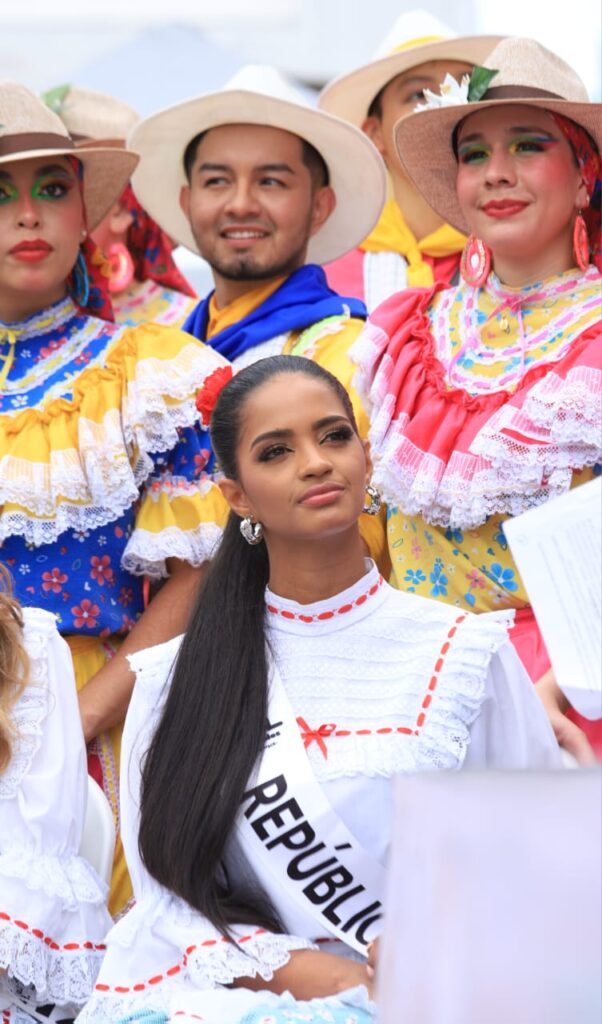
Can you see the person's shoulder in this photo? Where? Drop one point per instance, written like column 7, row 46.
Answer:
column 153, row 666
column 428, row 612
column 38, row 620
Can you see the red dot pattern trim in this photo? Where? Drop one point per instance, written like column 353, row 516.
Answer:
column 68, row 947
column 284, row 613
column 324, row 732
column 142, row 986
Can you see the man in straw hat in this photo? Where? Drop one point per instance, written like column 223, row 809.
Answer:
column 145, row 283
column 411, row 244
column 265, row 188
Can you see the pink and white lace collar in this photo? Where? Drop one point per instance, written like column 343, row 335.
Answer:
column 333, row 613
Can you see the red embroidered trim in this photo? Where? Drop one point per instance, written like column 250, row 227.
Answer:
column 284, row 613
column 324, row 732
column 69, row 947
column 141, row 986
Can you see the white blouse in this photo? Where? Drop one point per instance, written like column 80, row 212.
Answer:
column 53, row 914
column 380, row 682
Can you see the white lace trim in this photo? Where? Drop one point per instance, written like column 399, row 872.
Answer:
column 202, row 969
column 57, row 975
column 559, row 424
column 271, row 347
column 32, row 706
column 66, row 878
column 369, row 682
column 146, row 552
column 87, row 486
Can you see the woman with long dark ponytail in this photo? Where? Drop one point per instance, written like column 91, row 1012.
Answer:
column 259, row 749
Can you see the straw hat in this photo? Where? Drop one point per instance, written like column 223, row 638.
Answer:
column 527, row 74
column 261, row 96
column 88, row 114
column 416, row 38
column 28, row 130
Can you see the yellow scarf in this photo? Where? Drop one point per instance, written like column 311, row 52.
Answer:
column 392, row 234
column 239, row 308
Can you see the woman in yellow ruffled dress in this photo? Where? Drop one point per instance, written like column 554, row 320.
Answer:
column 103, row 466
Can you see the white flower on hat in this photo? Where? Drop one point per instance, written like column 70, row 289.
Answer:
column 451, row 94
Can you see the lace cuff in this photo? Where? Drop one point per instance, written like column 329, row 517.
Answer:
column 204, row 965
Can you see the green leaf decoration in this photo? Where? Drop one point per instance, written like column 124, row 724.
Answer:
column 55, row 98
column 479, row 83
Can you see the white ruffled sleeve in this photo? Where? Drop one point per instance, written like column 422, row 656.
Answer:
column 162, row 948
column 512, row 730
column 53, row 915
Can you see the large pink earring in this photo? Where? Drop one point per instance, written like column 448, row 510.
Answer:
column 581, row 242
column 476, row 262
column 122, row 268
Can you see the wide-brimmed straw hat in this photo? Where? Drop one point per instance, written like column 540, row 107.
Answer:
column 417, row 37
column 88, row 114
column 29, row 130
column 259, row 95
column 528, row 75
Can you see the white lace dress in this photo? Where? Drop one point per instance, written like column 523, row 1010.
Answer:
column 358, row 670
column 53, row 916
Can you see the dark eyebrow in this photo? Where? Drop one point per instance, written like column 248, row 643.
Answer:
column 515, row 129
column 263, row 168
column 55, row 169
column 283, row 433
column 213, row 167
column 47, row 169
column 279, row 168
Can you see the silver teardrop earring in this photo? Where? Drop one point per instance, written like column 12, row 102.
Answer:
column 373, row 506
column 252, row 532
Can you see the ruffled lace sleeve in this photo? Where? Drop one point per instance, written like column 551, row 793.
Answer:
column 166, row 941
column 162, row 946
column 456, row 458
column 32, row 707
column 182, row 513
column 78, row 460
column 53, row 915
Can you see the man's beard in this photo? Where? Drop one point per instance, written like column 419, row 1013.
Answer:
column 244, row 267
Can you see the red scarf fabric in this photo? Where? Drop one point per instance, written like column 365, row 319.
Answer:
column 588, row 160
column 151, row 249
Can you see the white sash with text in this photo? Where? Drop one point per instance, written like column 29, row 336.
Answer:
column 288, row 825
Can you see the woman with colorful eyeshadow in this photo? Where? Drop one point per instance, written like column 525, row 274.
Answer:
column 101, row 461
column 145, row 283
column 485, row 397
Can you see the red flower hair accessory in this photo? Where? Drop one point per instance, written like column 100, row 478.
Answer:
column 210, row 392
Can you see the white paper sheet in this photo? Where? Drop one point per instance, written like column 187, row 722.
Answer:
column 558, row 550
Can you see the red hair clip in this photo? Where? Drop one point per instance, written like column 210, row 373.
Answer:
column 210, row 392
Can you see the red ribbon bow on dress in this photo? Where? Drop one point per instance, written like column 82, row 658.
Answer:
column 319, row 735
